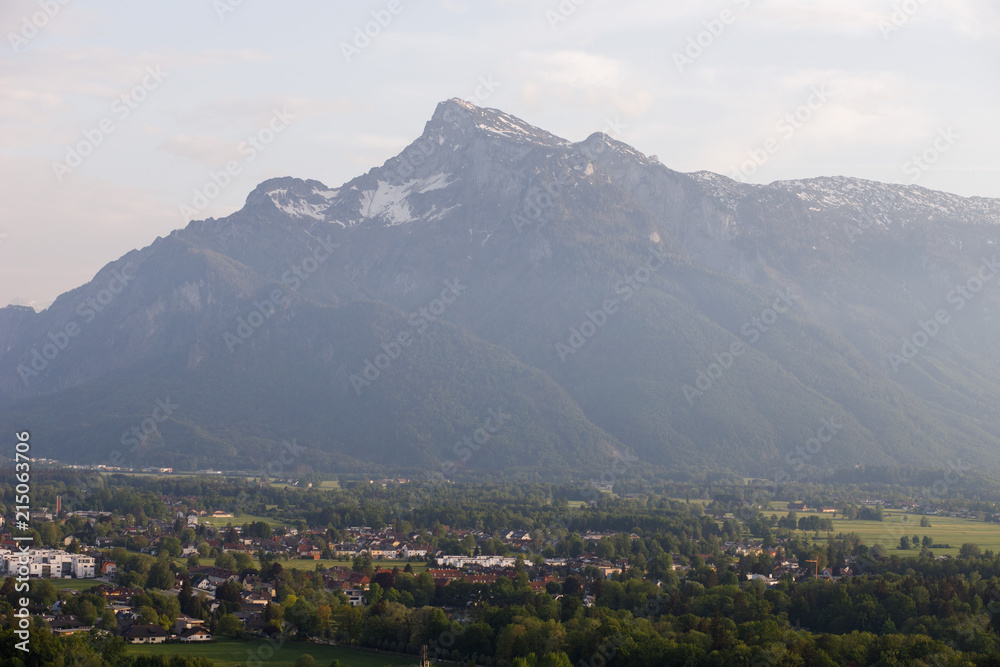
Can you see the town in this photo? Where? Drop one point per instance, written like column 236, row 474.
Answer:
column 145, row 560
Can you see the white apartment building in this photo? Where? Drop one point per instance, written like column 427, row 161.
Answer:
column 48, row 564
column 477, row 561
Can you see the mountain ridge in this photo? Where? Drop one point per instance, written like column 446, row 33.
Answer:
column 545, row 232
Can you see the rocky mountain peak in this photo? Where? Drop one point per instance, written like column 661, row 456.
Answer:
column 456, row 121
column 295, row 197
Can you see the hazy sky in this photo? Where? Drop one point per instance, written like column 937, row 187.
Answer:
column 160, row 95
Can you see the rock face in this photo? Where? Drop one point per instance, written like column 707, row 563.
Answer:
column 610, row 306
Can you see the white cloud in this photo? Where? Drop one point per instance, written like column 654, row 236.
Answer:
column 209, row 150
column 575, row 79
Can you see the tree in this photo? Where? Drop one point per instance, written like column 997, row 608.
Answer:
column 87, row 613
column 363, row 564
column 160, row 576
column 349, row 620
column 109, row 621
column 226, row 561
column 385, row 579
column 51, row 535
column 925, row 522
column 305, row 661
column 969, row 550
column 43, row 592
column 555, row 660
column 274, row 613
column 304, row 617
column 148, row 615
column 244, row 561
column 229, row 626
column 271, row 572
column 227, row 591
column 904, row 543
column 171, row 546
column 572, row 586
column 323, row 612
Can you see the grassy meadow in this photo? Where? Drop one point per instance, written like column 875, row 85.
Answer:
column 952, row 531
column 223, row 521
column 230, row 653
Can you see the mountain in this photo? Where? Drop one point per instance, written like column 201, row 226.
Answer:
column 608, row 308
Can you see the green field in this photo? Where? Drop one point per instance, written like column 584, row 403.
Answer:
column 223, row 521
column 943, row 530
column 81, row 585
column 699, row 501
column 230, row 653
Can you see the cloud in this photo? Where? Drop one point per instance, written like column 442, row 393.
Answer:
column 209, row 150
column 456, row 6
column 249, row 113
column 575, row 79
column 855, row 16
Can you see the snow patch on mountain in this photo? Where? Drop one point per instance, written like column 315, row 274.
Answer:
column 297, row 207
column 901, row 202
column 388, row 202
column 392, row 203
column 857, row 198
